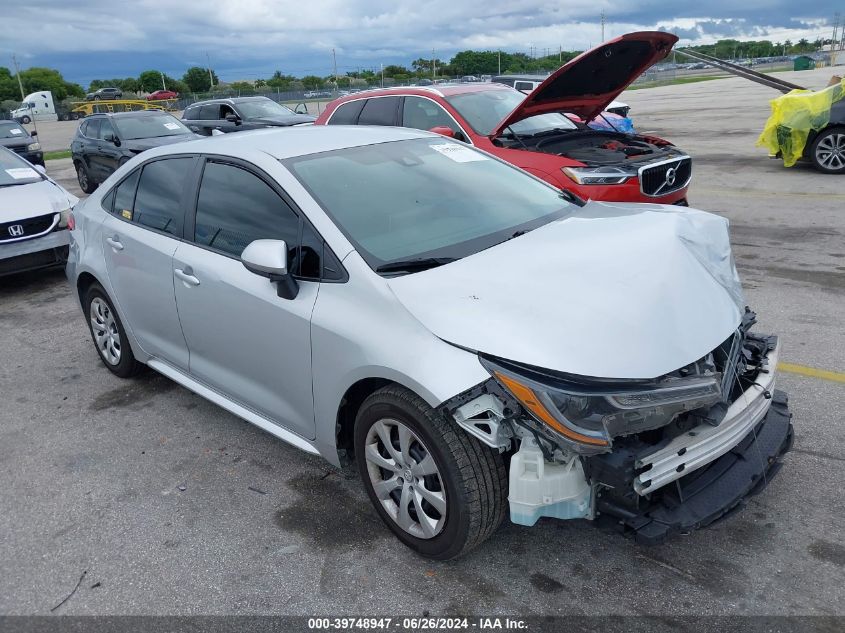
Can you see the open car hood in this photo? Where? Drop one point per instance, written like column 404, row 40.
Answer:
column 587, row 84
column 609, row 291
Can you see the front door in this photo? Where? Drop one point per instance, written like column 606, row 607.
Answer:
column 244, row 340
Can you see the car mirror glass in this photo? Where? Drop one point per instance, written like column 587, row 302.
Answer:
column 232, row 118
column 444, row 130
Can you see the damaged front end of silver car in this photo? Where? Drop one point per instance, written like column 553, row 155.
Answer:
column 649, row 457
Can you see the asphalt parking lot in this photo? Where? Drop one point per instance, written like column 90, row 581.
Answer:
column 168, row 504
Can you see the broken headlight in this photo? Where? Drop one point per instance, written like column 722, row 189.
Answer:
column 589, row 415
column 598, row 175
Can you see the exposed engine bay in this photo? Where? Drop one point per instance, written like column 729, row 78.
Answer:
column 594, row 147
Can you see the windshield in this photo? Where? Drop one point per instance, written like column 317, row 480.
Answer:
column 485, row 109
column 149, row 126
column 15, row 171
column 10, row 129
column 425, row 198
column 262, row 108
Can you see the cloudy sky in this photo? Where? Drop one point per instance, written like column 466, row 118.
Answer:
column 247, row 39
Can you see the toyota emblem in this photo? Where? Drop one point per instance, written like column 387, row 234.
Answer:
column 16, row 230
column 671, row 173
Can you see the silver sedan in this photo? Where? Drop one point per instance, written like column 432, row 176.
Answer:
column 478, row 342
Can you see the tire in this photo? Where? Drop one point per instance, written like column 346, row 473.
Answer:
column 440, row 459
column 85, row 183
column 26, row 119
column 108, row 334
column 97, row 98
column 827, row 151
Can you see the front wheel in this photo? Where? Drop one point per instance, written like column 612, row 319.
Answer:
column 26, row 119
column 828, row 151
column 439, row 490
column 85, row 182
column 108, row 334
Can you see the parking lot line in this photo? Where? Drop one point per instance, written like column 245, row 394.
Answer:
column 812, row 372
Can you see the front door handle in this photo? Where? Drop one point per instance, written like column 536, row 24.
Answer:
column 115, row 243
column 186, row 276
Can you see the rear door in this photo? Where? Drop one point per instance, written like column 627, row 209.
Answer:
column 244, row 340
column 141, row 235
column 108, row 154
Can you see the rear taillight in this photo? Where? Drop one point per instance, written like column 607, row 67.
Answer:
column 71, row 222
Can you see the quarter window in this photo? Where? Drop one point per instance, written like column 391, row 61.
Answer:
column 124, row 197
column 380, row 111
column 236, row 207
column 158, row 203
column 347, row 113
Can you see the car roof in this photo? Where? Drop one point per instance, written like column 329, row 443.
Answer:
column 231, row 100
column 441, row 90
column 282, row 143
column 126, row 115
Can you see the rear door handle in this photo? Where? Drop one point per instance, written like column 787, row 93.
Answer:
column 115, row 243
column 186, row 276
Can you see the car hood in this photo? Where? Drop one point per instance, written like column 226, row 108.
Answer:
column 143, row 144
column 611, row 291
column 586, row 85
column 16, row 140
column 284, row 120
column 20, row 202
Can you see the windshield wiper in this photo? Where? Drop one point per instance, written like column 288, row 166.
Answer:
column 414, row 265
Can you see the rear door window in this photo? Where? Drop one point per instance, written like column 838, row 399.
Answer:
column 380, row 111
column 347, row 113
column 105, row 130
column 92, row 130
column 158, row 202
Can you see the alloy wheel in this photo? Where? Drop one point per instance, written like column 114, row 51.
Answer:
column 830, row 151
column 405, row 478
column 106, row 332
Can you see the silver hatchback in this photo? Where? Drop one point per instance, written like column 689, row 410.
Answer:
column 478, row 342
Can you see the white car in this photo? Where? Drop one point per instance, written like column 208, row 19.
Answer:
column 34, row 212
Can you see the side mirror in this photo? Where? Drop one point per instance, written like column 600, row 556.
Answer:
column 301, row 108
column 444, row 130
column 233, row 118
column 269, row 258
column 111, row 138
column 34, row 133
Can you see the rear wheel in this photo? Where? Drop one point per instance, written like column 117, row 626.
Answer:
column 828, row 151
column 85, row 182
column 97, row 98
column 439, row 490
column 108, row 334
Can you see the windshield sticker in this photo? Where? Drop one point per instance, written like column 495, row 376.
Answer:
column 171, row 126
column 20, row 173
column 16, row 131
column 458, row 153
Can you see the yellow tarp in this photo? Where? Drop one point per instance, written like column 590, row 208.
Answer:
column 793, row 116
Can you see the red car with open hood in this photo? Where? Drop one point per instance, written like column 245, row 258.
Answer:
column 532, row 131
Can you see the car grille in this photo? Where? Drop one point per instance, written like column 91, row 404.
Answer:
column 31, row 227
column 20, row 149
column 666, row 177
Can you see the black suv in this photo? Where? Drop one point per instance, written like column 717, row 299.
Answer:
column 104, row 93
column 240, row 113
column 103, row 142
column 16, row 138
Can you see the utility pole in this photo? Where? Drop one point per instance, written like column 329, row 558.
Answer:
column 382, row 75
column 433, row 65
column 163, row 86
column 18, row 75
column 210, row 76
column 500, row 62
column 334, row 64
column 560, row 54
column 602, row 25
column 833, row 42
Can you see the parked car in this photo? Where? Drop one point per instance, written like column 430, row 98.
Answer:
column 34, row 214
column 160, row 95
column 533, row 132
column 103, row 142
column 104, row 93
column 479, row 342
column 15, row 137
column 239, row 114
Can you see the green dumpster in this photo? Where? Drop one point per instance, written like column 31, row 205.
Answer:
column 803, row 62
